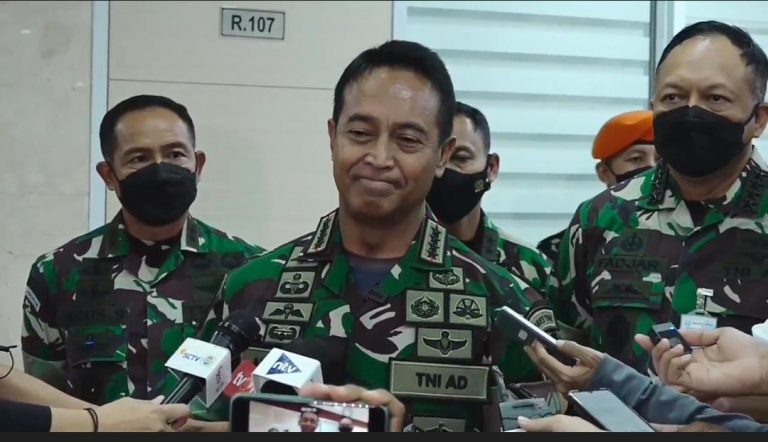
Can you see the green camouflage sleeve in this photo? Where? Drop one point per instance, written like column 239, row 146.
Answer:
column 216, row 315
column 536, row 268
column 568, row 289
column 41, row 342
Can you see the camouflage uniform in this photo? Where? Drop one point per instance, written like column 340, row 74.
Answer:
column 513, row 254
column 637, row 255
column 550, row 246
column 103, row 313
column 415, row 333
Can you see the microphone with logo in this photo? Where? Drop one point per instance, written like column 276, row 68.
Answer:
column 303, row 361
column 207, row 365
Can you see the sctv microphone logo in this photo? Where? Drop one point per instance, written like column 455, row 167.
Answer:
column 283, row 365
column 204, row 360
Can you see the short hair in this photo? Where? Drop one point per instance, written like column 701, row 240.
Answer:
column 107, row 135
column 751, row 52
column 405, row 55
column 478, row 120
column 308, row 410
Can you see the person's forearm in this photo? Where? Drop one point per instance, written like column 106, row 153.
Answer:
column 21, row 387
column 659, row 404
column 65, row 420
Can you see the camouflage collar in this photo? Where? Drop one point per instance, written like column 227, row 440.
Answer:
column 431, row 242
column 660, row 192
column 490, row 238
column 115, row 242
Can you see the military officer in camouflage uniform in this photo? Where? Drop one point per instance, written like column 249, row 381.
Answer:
column 415, row 303
column 624, row 148
column 685, row 242
column 455, row 198
column 103, row 313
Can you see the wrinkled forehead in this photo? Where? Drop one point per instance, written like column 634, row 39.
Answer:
column 394, row 94
column 705, row 61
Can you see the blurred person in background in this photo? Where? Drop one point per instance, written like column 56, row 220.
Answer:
column 456, row 196
column 624, row 149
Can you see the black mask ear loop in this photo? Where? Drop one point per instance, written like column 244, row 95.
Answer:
column 488, row 171
column 8, row 349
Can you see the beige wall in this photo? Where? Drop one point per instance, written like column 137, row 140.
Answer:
column 45, row 54
column 260, row 106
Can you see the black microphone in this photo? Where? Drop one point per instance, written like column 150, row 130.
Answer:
column 330, row 351
column 236, row 333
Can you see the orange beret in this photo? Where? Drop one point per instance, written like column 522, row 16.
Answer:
column 622, row 132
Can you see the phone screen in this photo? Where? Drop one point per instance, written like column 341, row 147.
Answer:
column 605, row 409
column 309, row 416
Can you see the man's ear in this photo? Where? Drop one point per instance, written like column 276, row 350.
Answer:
column 107, row 175
column 494, row 162
column 604, row 174
column 331, row 133
column 200, row 159
column 761, row 119
column 446, row 150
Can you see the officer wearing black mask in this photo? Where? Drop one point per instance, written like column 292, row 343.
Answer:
column 455, row 199
column 104, row 312
column 687, row 242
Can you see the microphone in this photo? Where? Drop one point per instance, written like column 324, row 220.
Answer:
column 208, row 365
column 300, row 362
column 242, row 380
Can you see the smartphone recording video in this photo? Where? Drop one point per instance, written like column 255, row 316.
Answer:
column 273, row 413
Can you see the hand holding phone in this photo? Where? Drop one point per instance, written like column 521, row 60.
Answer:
column 282, row 413
column 517, row 327
column 604, row 409
column 671, row 333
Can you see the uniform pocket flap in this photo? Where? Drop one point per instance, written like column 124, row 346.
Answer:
column 106, row 343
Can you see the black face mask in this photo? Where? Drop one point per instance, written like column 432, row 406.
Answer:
column 631, row 174
column 158, row 194
column 455, row 194
column 697, row 142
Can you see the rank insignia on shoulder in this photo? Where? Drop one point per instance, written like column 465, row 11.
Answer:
column 433, row 243
column 323, row 234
